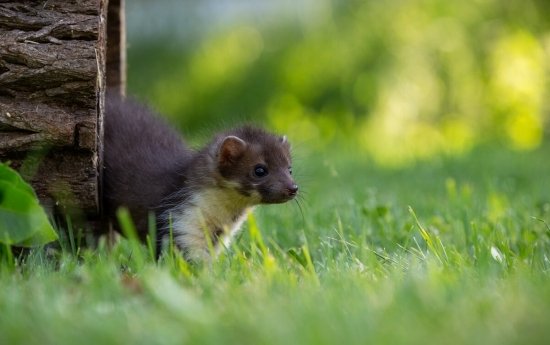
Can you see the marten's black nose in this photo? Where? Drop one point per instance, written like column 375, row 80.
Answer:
column 292, row 190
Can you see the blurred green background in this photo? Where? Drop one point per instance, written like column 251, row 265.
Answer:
column 395, row 81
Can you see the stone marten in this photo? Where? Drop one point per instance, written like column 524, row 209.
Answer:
column 192, row 194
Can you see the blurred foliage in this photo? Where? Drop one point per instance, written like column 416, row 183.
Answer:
column 399, row 80
column 23, row 221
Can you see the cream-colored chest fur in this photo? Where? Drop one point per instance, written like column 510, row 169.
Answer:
column 216, row 212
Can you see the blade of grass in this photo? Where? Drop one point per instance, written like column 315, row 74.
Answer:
column 129, row 230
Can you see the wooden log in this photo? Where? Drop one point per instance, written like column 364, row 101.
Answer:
column 116, row 47
column 52, row 85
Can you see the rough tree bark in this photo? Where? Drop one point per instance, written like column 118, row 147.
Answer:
column 52, row 81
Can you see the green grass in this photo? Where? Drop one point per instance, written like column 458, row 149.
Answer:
column 454, row 251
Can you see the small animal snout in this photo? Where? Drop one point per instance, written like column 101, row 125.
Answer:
column 292, row 189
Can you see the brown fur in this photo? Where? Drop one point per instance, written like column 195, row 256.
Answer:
column 148, row 168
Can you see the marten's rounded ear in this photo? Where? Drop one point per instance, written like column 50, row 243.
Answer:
column 232, row 147
column 284, row 141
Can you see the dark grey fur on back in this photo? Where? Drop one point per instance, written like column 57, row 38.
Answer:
column 142, row 156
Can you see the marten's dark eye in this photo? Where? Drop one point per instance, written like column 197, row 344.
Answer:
column 290, row 170
column 260, row 170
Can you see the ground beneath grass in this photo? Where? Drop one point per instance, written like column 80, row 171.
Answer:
column 453, row 250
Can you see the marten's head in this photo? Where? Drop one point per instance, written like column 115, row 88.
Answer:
column 257, row 164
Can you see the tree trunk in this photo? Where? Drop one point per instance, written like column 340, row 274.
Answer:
column 52, row 86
